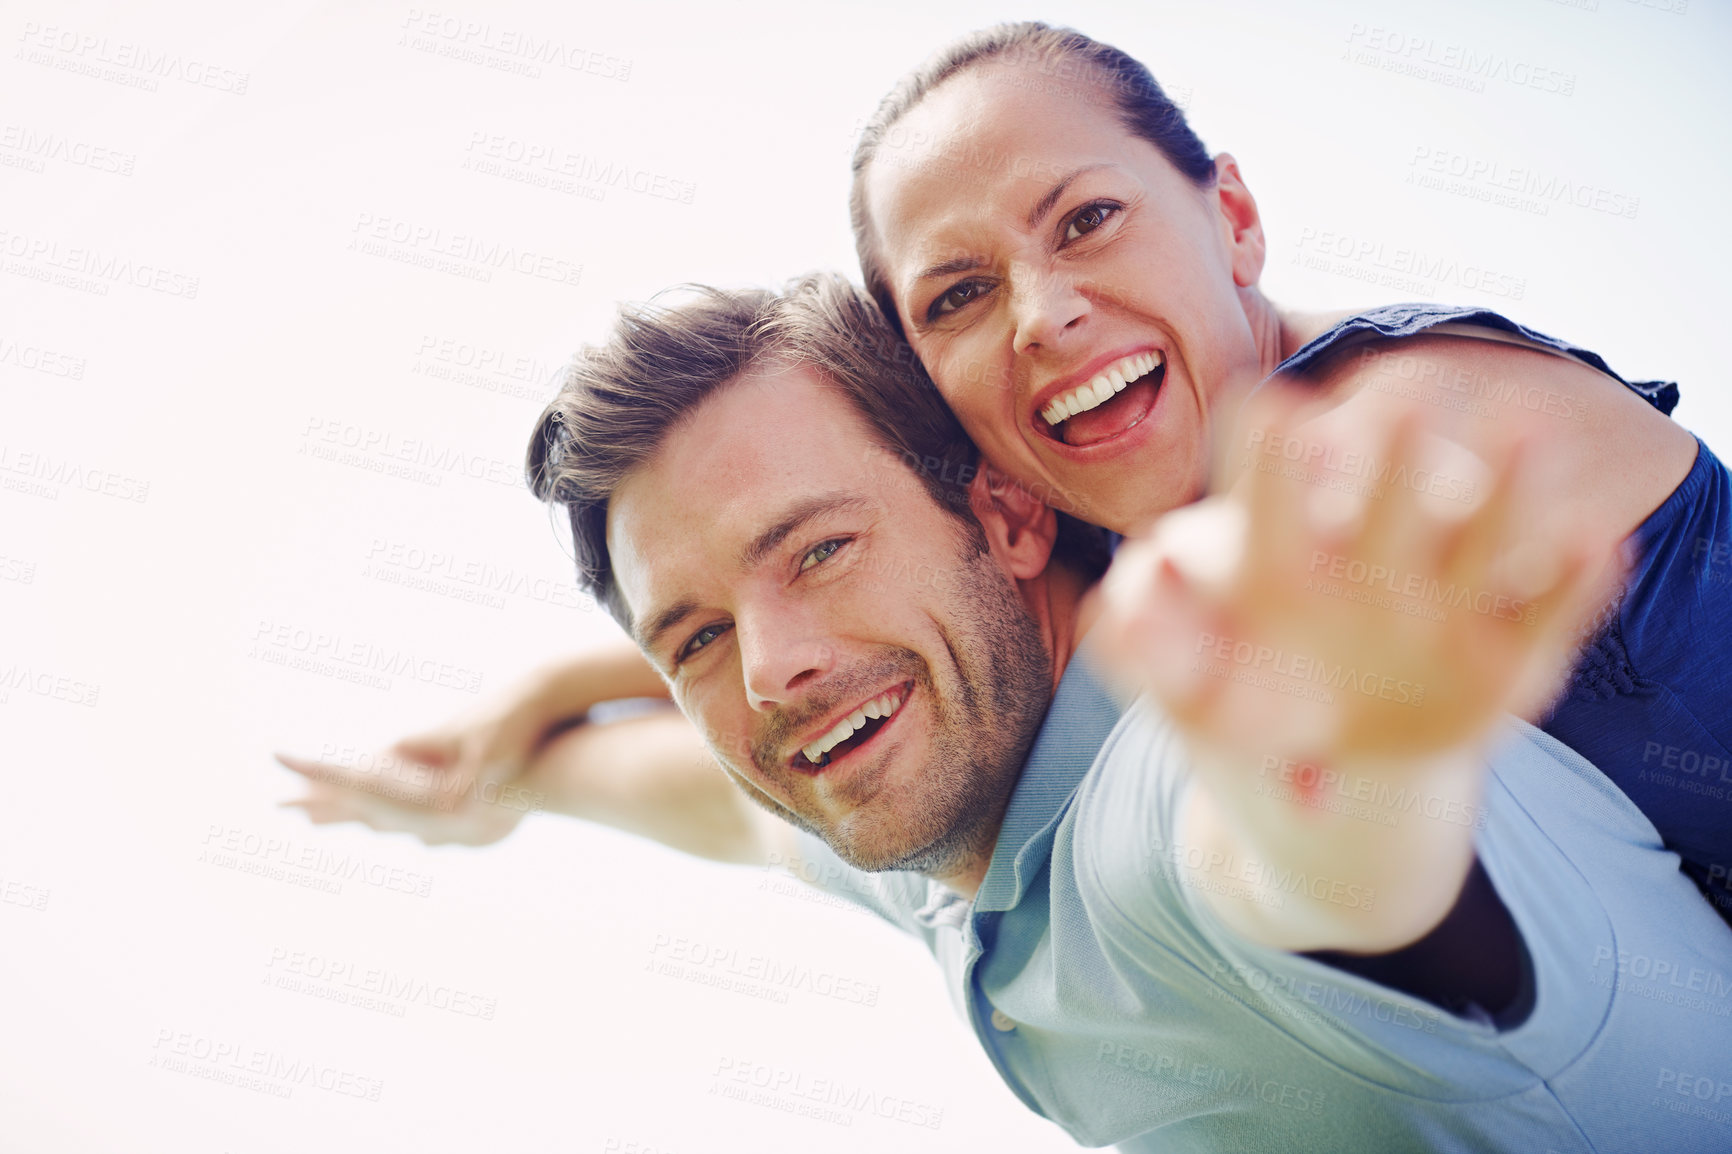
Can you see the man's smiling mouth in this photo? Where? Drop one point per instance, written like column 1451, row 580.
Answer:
column 853, row 731
column 1109, row 403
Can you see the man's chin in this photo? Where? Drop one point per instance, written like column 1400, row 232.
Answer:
column 867, row 846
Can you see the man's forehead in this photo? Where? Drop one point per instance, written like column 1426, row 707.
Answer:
column 747, row 457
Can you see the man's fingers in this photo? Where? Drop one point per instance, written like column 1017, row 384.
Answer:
column 388, row 776
column 324, row 771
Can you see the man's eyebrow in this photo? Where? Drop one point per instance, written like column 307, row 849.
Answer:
column 662, row 622
column 1045, row 203
column 801, row 514
column 753, row 555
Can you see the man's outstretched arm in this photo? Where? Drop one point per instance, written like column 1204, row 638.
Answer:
column 651, row 775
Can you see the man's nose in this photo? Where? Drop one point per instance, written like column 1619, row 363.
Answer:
column 780, row 653
column 1046, row 306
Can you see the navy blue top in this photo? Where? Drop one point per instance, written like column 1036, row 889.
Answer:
column 1650, row 701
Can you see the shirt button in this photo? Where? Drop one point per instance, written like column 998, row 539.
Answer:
column 1003, row 1022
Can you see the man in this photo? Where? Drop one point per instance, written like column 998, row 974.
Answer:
column 903, row 677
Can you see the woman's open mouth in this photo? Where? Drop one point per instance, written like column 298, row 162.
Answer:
column 1111, row 402
column 853, row 731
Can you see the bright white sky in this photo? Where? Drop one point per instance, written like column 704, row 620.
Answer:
column 165, row 598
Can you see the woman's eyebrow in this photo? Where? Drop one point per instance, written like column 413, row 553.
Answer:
column 1042, row 207
column 1045, row 203
column 950, row 267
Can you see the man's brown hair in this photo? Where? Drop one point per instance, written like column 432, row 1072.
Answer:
column 620, row 401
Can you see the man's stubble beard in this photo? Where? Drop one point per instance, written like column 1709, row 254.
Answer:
column 950, row 815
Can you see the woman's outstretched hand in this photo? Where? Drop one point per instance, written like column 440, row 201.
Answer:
column 1354, row 594
column 1335, row 636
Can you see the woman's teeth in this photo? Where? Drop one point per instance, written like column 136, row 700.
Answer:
column 1101, row 388
column 881, row 706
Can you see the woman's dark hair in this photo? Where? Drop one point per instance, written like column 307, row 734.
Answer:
column 1060, row 54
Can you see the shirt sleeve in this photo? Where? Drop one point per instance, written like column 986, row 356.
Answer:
column 894, row 895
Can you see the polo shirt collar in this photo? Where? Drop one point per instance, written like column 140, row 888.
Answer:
column 1082, row 713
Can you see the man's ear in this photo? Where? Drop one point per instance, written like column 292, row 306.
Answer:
column 1020, row 528
column 1241, row 224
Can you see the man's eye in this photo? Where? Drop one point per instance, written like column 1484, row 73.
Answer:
column 821, row 553
column 955, row 298
column 1088, row 218
column 700, row 639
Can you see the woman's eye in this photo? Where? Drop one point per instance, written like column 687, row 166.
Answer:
column 820, row 554
column 955, row 298
column 1087, row 219
column 701, row 639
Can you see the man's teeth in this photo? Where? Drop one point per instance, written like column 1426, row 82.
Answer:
column 1101, row 387
column 881, row 706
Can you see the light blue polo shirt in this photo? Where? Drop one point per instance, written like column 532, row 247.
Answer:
column 1113, row 1002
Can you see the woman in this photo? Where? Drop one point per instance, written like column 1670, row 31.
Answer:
column 1033, row 237
column 1080, row 279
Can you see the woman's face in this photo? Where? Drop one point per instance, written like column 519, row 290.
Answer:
column 1034, row 249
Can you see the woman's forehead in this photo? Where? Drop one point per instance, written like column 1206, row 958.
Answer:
column 980, row 152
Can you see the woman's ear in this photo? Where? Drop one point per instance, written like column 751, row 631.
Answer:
column 1241, row 222
column 1020, row 528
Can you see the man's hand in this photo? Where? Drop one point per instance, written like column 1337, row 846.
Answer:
column 422, row 786
column 464, row 781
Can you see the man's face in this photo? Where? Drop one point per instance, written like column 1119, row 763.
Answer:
column 792, row 579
